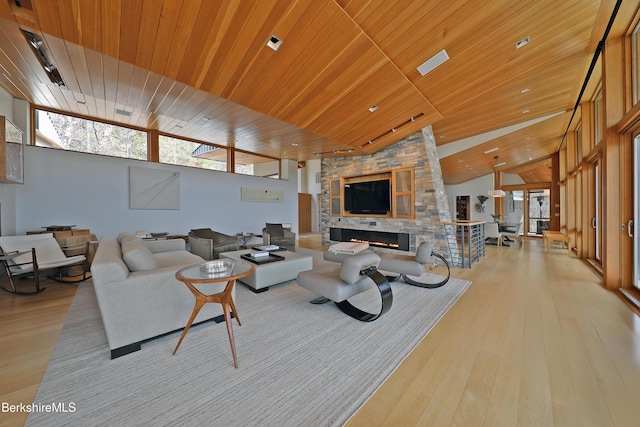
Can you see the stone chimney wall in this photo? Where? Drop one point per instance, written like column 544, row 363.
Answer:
column 431, row 203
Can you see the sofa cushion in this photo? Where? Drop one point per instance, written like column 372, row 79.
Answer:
column 178, row 259
column 137, row 256
column 125, row 236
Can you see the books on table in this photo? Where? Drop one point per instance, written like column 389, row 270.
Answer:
column 267, row 248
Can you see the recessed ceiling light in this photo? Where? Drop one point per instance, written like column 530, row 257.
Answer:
column 433, row 62
column 460, row 161
column 295, row 144
column 123, row 112
column 274, row 42
column 491, row 150
column 526, row 111
column 530, row 158
column 373, row 108
column 525, row 41
column 525, row 90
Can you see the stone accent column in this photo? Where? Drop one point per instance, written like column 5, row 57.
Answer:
column 431, row 203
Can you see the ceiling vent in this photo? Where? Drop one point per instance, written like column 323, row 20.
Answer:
column 433, row 62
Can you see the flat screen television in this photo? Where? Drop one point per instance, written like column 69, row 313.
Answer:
column 369, row 197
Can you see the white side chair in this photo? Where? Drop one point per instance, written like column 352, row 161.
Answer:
column 515, row 234
column 492, row 231
column 33, row 253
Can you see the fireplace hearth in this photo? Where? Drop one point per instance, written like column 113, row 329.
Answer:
column 380, row 239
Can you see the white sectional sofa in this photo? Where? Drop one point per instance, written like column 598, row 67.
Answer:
column 138, row 294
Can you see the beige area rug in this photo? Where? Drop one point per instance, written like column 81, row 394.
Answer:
column 299, row 364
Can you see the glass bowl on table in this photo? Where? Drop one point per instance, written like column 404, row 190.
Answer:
column 217, row 268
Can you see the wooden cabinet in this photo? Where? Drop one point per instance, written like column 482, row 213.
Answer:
column 402, row 181
column 335, row 196
column 402, row 193
column 11, row 152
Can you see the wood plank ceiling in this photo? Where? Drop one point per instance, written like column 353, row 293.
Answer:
column 201, row 69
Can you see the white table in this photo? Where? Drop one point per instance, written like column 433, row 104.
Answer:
column 272, row 273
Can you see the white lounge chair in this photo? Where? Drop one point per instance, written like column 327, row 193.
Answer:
column 33, row 253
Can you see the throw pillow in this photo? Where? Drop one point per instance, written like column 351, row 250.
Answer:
column 275, row 230
column 137, row 256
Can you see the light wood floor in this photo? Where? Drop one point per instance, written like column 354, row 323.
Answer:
column 535, row 340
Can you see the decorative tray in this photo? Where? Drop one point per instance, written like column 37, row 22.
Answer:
column 262, row 260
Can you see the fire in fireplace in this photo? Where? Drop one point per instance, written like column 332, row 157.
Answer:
column 381, row 239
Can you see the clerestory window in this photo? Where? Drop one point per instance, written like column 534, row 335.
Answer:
column 66, row 132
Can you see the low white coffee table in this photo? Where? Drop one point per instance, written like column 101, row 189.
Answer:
column 272, row 273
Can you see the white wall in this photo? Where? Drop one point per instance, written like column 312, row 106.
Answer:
column 473, row 188
column 91, row 191
column 512, row 179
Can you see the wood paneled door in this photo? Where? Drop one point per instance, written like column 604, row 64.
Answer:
column 304, row 213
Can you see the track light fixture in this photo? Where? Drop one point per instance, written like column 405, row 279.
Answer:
column 37, row 46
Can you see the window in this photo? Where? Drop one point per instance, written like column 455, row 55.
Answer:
column 252, row 164
column 539, row 211
column 579, row 145
column 599, row 118
column 186, row 153
column 76, row 134
column 635, row 66
column 65, row 132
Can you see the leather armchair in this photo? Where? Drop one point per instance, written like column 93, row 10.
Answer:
column 276, row 234
column 208, row 244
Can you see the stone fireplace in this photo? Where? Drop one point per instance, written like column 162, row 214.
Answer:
column 379, row 239
column 430, row 204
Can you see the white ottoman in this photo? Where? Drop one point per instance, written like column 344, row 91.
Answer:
column 272, row 273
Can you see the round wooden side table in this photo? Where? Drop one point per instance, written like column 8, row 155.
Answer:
column 191, row 276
